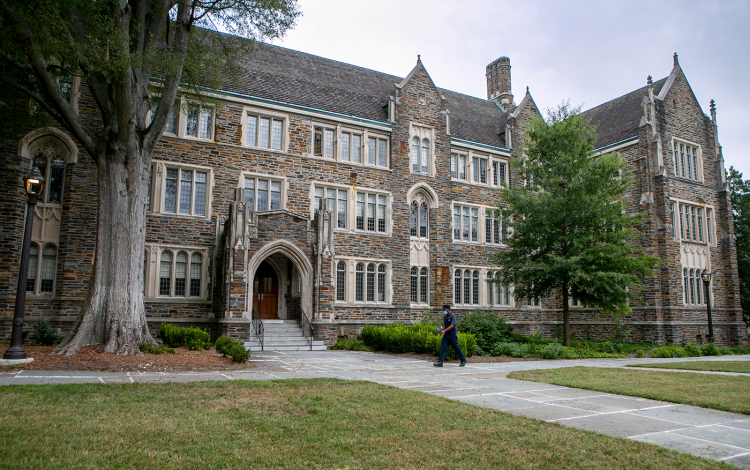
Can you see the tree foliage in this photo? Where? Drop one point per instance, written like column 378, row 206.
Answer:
column 740, row 196
column 571, row 232
column 133, row 57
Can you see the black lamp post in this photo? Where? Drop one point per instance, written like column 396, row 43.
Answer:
column 706, row 276
column 34, row 182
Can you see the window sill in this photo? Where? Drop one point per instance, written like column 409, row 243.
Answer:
column 179, row 216
column 377, row 234
column 480, row 185
column 362, row 304
column 177, row 300
column 349, row 163
column 461, row 242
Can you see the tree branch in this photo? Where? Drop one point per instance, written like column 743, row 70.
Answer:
column 39, row 65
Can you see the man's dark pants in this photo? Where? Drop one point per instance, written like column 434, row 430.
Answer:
column 453, row 342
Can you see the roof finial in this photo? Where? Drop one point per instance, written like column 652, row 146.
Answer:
column 676, row 62
column 649, row 81
column 527, row 89
column 713, row 107
column 419, row 58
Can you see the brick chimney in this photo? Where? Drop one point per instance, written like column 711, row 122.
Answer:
column 498, row 83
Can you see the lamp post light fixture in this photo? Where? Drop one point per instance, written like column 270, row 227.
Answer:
column 34, row 184
column 706, row 276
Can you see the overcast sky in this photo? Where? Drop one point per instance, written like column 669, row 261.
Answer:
column 586, row 51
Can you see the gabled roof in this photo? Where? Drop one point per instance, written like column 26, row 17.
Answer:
column 617, row 120
column 287, row 76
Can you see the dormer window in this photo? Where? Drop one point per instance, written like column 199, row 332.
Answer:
column 422, row 150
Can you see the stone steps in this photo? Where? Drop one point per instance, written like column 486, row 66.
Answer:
column 282, row 335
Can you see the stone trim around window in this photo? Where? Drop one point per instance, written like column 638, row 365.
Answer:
column 349, row 145
column 471, row 288
column 687, row 160
column 421, row 149
column 265, row 129
column 264, row 192
column 362, row 281
column 42, row 273
column 479, row 169
column 470, row 224
column 173, row 272
column 360, row 202
column 179, row 189
column 190, row 120
column 692, row 222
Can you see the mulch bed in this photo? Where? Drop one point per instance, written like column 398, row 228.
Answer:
column 93, row 358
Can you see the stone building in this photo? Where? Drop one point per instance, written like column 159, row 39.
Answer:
column 333, row 196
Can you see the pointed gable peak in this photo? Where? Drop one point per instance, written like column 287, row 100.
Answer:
column 419, row 67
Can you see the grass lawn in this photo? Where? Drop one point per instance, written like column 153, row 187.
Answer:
column 742, row 367
column 720, row 392
column 318, row 423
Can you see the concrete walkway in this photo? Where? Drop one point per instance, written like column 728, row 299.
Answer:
column 698, row 431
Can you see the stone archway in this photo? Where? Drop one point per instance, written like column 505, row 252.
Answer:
column 299, row 260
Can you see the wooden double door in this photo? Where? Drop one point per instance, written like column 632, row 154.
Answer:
column 266, row 291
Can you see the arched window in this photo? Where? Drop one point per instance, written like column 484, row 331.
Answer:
column 415, row 154
column 685, row 280
column 475, row 288
column 423, row 215
column 49, row 255
column 467, row 287
column 371, row 282
column 414, row 286
column 165, row 273
column 692, row 287
column 457, row 286
column 413, row 216
column 196, row 271
column 33, row 264
column 359, row 283
column 381, row 283
column 490, row 288
column 341, row 281
column 698, row 286
column 180, row 274
column 425, row 156
column 53, row 170
column 423, row 285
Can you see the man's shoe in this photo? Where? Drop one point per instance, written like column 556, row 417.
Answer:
column 438, row 364
column 462, row 364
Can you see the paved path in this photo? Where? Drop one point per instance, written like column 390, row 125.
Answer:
column 707, row 433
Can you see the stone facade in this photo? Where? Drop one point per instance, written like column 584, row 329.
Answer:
column 239, row 198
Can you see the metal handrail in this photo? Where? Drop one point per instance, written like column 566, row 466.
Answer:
column 258, row 326
column 307, row 328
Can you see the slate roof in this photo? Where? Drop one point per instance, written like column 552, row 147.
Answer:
column 617, row 120
column 300, row 79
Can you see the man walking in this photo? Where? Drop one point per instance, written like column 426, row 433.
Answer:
column 450, row 337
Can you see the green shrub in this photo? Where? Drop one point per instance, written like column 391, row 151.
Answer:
column 174, row 337
column 418, row 338
column 725, row 351
column 238, row 352
column 44, row 334
column 710, row 350
column 669, row 351
column 487, row 327
column 222, row 345
column 171, row 335
column 350, row 345
column 692, row 350
column 640, row 353
column 553, row 351
column 149, row 348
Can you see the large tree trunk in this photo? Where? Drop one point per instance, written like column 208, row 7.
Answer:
column 566, row 315
column 113, row 311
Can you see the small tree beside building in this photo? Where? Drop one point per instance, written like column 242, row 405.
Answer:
column 571, row 232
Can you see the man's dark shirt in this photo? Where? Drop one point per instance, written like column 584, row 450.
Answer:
column 450, row 319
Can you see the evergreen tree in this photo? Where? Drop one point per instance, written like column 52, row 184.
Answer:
column 571, row 233
column 740, row 195
column 125, row 51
